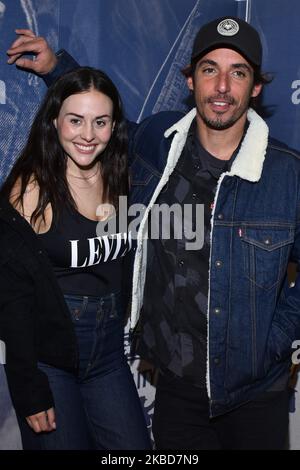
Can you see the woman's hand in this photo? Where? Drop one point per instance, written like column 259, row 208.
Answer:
column 44, row 60
column 43, row 421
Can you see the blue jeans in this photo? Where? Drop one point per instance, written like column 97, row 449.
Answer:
column 99, row 407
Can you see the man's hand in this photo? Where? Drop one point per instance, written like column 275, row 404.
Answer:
column 44, row 60
column 44, row 421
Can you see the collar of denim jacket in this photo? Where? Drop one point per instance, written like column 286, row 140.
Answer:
column 249, row 161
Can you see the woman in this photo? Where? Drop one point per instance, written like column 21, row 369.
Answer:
column 61, row 305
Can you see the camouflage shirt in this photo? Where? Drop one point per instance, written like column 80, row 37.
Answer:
column 174, row 315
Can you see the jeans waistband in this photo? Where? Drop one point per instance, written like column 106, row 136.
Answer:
column 113, row 297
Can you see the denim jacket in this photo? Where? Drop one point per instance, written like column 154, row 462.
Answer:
column 253, row 315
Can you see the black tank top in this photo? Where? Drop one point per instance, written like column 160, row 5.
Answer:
column 86, row 261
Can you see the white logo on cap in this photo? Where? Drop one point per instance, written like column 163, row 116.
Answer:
column 228, row 27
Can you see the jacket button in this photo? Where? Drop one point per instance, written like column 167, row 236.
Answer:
column 217, row 361
column 13, row 219
column 218, row 263
column 267, row 241
column 217, row 310
column 220, row 216
column 181, row 263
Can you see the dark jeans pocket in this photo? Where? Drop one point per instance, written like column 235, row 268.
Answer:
column 76, row 307
column 112, row 312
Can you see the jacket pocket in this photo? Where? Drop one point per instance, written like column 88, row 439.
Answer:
column 140, row 172
column 279, row 346
column 266, row 253
column 143, row 181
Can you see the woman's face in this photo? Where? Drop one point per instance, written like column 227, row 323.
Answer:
column 84, row 127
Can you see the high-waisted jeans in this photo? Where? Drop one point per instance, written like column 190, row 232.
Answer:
column 99, row 407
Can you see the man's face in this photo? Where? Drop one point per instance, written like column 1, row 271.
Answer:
column 223, row 86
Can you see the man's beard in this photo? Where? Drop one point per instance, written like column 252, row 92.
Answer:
column 218, row 123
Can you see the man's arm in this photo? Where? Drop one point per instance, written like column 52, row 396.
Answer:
column 48, row 65
column 286, row 320
column 45, row 63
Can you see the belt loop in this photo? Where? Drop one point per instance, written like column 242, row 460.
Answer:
column 85, row 301
column 113, row 302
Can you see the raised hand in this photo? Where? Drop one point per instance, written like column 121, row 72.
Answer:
column 44, row 60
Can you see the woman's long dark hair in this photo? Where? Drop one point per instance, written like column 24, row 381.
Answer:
column 44, row 159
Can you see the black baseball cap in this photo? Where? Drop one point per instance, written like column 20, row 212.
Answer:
column 230, row 32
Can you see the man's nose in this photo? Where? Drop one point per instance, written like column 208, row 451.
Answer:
column 223, row 83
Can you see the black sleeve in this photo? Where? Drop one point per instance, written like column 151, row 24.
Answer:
column 28, row 386
column 65, row 64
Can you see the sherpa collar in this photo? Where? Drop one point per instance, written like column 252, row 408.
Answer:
column 248, row 163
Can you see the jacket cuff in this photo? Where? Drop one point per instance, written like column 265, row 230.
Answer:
column 65, row 64
column 31, row 395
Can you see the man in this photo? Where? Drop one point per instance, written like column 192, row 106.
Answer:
column 218, row 321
